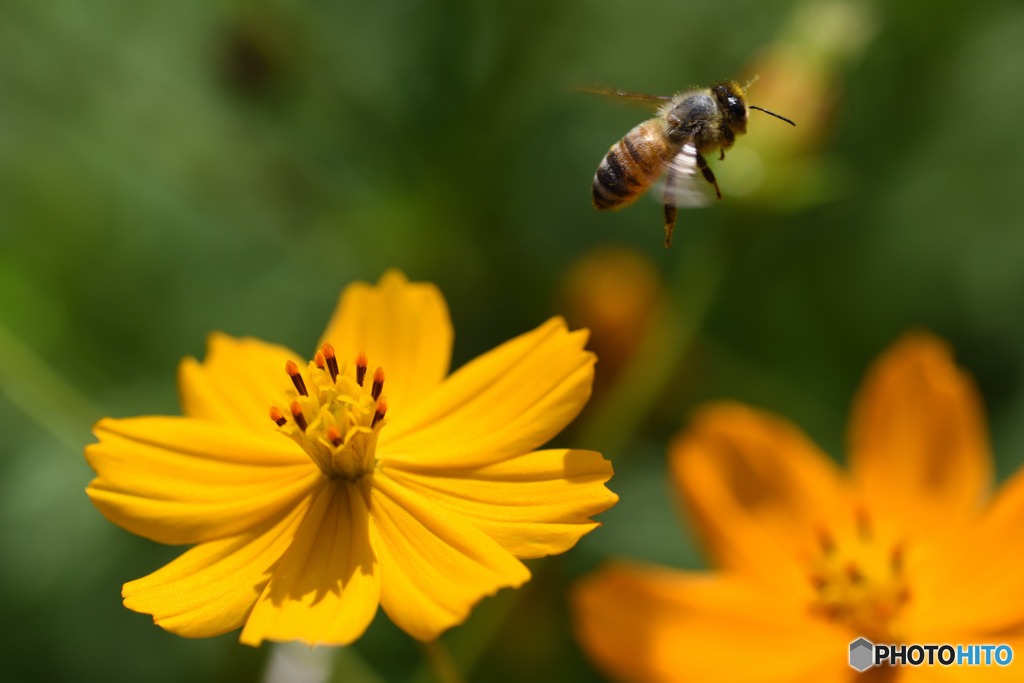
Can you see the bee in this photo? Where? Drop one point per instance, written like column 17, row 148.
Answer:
column 688, row 125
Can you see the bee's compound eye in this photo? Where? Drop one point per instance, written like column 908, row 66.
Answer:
column 737, row 110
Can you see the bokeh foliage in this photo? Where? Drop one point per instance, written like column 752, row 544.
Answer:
column 170, row 168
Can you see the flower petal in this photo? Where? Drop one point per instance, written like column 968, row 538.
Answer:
column 211, row 589
column 660, row 626
column 402, row 327
column 327, row 586
column 435, row 565
column 918, row 444
column 971, row 578
column 181, row 480
column 236, row 382
column 758, row 491
column 533, row 505
column 507, row 402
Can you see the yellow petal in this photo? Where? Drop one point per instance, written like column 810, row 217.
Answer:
column 533, row 505
column 758, row 491
column 918, row 444
column 434, row 564
column 401, row 326
column 236, row 382
column 211, row 589
column 327, row 586
column 661, row 626
column 181, row 480
column 507, row 402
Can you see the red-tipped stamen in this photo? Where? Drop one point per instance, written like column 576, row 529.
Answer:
column 378, row 383
column 277, row 417
column 300, row 419
column 361, row 362
column 319, row 360
column 863, row 524
column 334, row 436
column 332, row 360
column 828, row 545
column 896, row 560
column 382, row 407
column 853, row 573
column 293, row 371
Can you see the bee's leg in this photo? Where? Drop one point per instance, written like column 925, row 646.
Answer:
column 708, row 175
column 729, row 138
column 669, row 197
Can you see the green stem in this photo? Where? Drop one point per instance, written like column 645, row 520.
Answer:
column 350, row 667
column 441, row 662
column 469, row 643
column 654, row 365
column 40, row 392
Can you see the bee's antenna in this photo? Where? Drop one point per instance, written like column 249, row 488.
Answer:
column 773, row 114
column 752, row 81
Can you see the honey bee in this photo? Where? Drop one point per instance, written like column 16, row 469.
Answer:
column 687, row 126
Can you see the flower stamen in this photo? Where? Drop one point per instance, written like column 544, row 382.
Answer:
column 336, row 420
column 825, row 541
column 361, row 362
column 857, row 578
column 297, row 415
column 863, row 524
column 378, row 383
column 277, row 417
column 382, row 407
column 293, row 371
column 332, row 361
column 896, row 559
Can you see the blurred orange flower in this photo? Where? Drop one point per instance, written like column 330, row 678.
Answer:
column 411, row 490
column 907, row 549
column 615, row 293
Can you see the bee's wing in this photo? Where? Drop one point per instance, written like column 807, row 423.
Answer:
column 684, row 187
column 653, row 101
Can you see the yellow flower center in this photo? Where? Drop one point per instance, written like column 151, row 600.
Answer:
column 334, row 418
column 860, row 581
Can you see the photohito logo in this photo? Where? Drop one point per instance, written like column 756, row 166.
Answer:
column 864, row 654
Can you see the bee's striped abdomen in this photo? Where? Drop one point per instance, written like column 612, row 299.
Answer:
column 631, row 165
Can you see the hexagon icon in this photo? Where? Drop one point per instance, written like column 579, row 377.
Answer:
column 861, row 654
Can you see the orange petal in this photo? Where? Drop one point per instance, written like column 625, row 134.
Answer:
column 534, row 505
column 401, row 326
column 181, row 480
column 435, row 564
column 661, row 626
column 211, row 588
column 507, row 402
column 327, row 586
column 918, row 444
column 236, row 382
column 971, row 577
column 758, row 491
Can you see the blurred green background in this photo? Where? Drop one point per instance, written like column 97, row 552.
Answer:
column 171, row 168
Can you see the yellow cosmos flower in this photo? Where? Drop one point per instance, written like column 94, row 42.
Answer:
column 316, row 492
column 908, row 549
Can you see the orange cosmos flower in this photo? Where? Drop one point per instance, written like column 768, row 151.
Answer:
column 397, row 486
column 907, row 549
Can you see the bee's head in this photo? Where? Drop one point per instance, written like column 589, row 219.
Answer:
column 733, row 103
